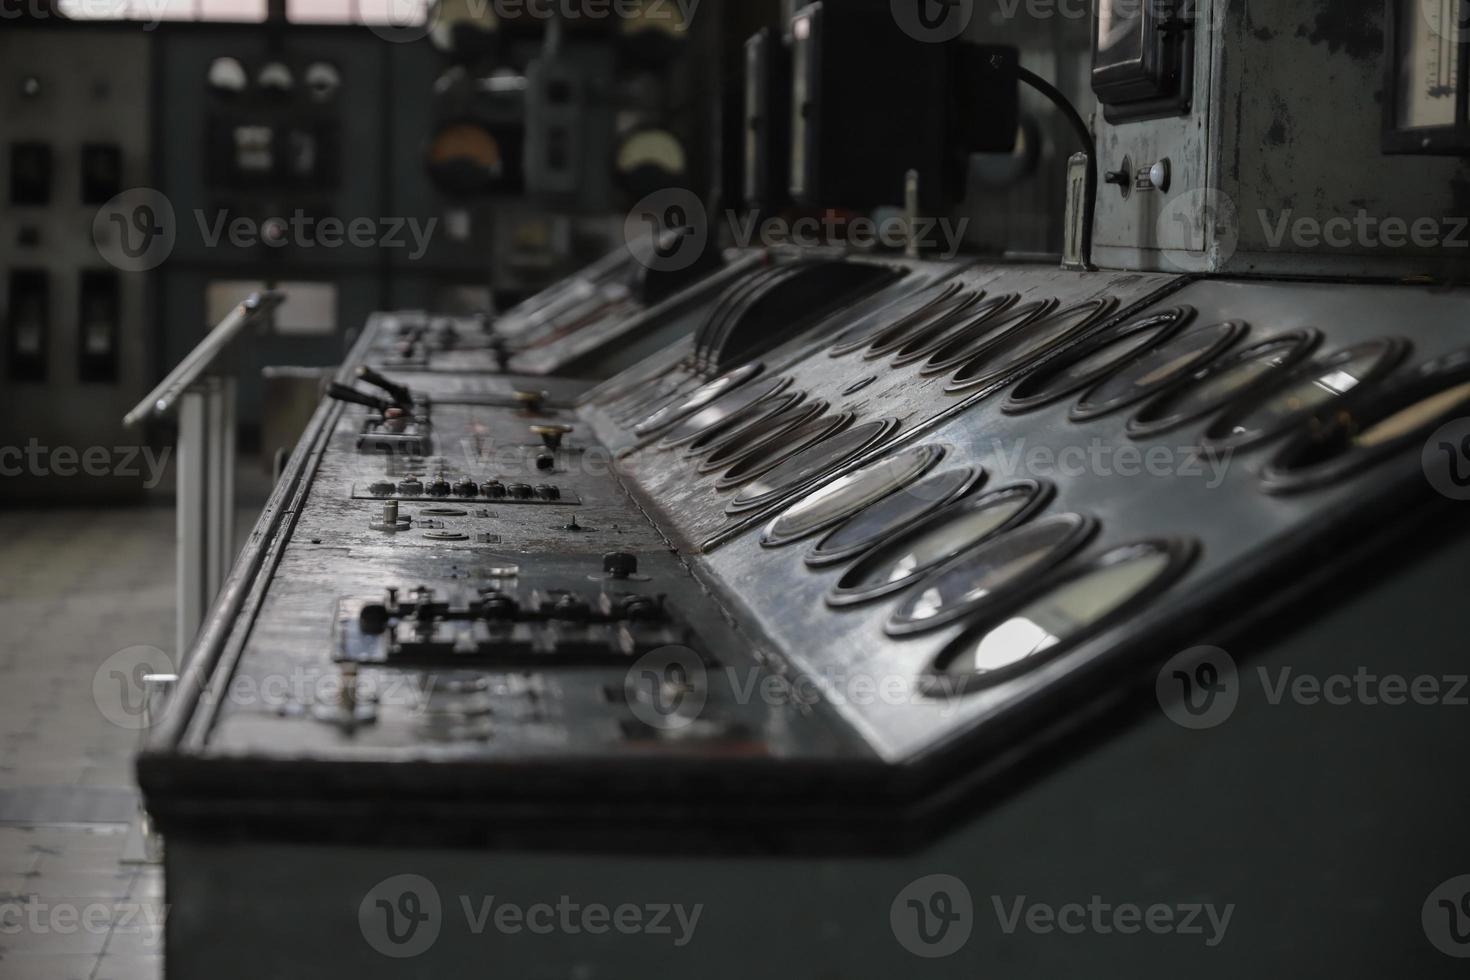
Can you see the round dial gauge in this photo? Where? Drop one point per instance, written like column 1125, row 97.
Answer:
column 760, row 439
column 1316, row 385
column 810, row 463
column 893, row 337
column 701, row 397
column 900, row 311
column 1089, row 361
column 1156, row 369
column 896, row 564
column 1370, row 426
column 892, row 514
column 988, row 575
column 779, row 446
column 846, row 495
column 1015, row 348
column 1215, row 386
column 1077, row 606
column 722, row 411
column 922, row 341
column 966, row 343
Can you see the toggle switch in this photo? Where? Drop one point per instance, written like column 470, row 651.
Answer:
column 551, row 433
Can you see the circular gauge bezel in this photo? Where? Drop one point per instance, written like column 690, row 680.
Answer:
column 1034, row 494
column 885, row 341
column 967, row 480
column 754, row 392
column 1178, row 554
column 761, row 459
column 1392, row 351
column 861, row 331
column 702, row 396
column 926, row 457
column 1298, row 345
column 1076, row 531
column 762, row 411
column 757, row 437
column 1228, row 333
column 922, row 343
column 1161, row 326
column 966, row 343
column 880, row 429
column 1087, row 314
column 1337, row 425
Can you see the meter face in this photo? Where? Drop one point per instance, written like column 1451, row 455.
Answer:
column 1428, row 61
column 1120, row 30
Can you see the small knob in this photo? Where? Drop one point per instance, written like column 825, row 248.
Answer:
column 548, row 492
column 381, row 488
column 493, row 489
column 619, row 564
column 411, row 487
column 440, row 488
column 496, row 605
column 569, row 608
column 465, row 488
column 545, row 463
column 520, row 491
column 1158, row 174
column 551, row 433
column 530, row 401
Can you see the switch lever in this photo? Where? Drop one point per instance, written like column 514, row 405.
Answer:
column 345, row 394
column 399, row 393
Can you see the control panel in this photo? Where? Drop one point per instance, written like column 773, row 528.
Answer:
column 77, row 348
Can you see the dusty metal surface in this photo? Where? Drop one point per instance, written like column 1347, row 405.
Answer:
column 694, row 507
column 1278, row 168
column 524, row 713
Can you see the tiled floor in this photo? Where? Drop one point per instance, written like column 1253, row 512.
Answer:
column 76, row 586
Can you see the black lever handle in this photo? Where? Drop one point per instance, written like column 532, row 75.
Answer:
column 345, row 394
column 400, row 393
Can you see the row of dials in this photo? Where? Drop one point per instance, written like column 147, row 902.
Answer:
column 953, row 553
column 1169, row 372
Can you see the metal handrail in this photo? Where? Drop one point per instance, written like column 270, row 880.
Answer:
column 162, row 398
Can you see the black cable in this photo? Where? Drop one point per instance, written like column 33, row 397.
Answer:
column 1089, row 193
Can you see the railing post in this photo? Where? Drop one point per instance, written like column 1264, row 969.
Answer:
column 191, row 538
